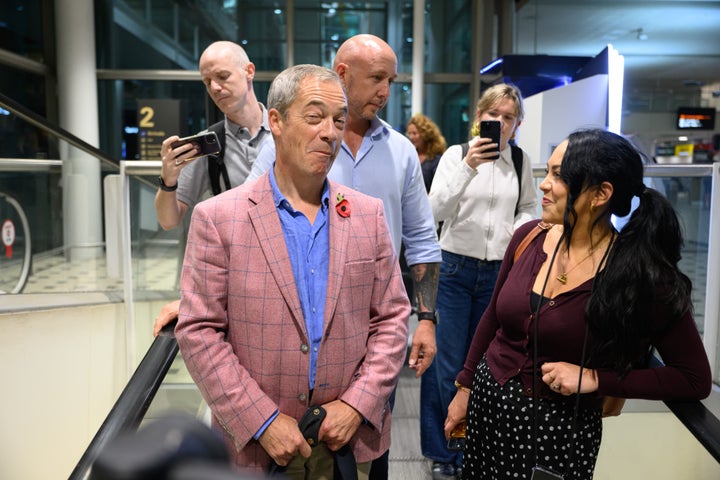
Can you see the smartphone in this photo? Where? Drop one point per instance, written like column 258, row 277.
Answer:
column 491, row 129
column 456, row 442
column 206, row 142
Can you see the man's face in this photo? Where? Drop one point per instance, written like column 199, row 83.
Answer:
column 225, row 80
column 367, row 82
column 308, row 138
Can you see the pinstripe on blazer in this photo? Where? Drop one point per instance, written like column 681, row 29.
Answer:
column 241, row 330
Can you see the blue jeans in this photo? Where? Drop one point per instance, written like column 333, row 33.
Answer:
column 464, row 291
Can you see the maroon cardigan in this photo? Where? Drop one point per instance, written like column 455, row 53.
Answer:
column 505, row 336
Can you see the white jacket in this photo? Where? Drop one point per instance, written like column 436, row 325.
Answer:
column 477, row 206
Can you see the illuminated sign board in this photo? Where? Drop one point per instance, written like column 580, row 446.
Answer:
column 691, row 118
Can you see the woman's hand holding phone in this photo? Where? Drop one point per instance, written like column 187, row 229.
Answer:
column 492, row 129
column 482, row 151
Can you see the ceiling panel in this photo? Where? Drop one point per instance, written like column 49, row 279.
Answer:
column 682, row 45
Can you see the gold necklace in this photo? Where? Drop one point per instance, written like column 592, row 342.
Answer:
column 562, row 277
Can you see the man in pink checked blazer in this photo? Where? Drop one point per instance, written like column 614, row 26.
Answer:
column 292, row 296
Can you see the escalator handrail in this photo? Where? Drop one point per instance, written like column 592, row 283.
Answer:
column 702, row 423
column 135, row 399
column 48, row 127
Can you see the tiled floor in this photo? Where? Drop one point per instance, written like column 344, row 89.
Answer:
column 406, row 461
column 155, row 271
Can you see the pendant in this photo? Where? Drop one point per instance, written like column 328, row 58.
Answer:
column 562, row 278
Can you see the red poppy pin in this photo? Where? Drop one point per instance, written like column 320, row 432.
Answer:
column 343, row 206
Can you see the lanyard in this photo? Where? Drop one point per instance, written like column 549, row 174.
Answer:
column 576, row 409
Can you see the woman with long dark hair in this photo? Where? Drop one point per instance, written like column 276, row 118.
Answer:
column 576, row 313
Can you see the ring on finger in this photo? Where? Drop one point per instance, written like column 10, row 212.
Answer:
column 555, row 386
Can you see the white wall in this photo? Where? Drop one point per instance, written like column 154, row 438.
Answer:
column 63, row 370
column 652, row 445
column 552, row 115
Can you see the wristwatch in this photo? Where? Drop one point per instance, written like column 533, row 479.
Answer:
column 432, row 316
column 164, row 187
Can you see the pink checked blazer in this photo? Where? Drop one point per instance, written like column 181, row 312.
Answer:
column 241, row 329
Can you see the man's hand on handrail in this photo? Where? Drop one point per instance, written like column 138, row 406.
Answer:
column 168, row 313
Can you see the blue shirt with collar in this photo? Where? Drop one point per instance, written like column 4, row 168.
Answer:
column 386, row 167
column 309, row 250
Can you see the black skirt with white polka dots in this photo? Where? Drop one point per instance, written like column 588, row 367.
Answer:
column 500, row 443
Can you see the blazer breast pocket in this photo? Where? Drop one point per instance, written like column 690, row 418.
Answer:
column 357, row 284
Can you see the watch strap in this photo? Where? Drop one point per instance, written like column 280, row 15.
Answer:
column 432, row 316
column 165, row 188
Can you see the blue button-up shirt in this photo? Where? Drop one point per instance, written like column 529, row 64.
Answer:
column 309, row 250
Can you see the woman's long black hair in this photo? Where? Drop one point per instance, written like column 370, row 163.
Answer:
column 641, row 270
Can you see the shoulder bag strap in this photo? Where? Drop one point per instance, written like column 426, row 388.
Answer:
column 540, row 227
column 517, row 159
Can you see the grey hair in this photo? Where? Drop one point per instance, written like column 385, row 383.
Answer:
column 284, row 88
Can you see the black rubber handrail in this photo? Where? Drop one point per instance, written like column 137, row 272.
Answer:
column 135, row 399
column 48, row 127
column 698, row 419
column 701, row 422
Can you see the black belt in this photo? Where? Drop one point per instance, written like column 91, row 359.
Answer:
column 344, row 466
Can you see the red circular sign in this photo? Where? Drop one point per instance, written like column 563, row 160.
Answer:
column 8, row 236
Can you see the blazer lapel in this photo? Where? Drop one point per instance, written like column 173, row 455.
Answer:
column 338, row 241
column 266, row 223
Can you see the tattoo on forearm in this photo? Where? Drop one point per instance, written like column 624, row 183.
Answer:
column 425, row 278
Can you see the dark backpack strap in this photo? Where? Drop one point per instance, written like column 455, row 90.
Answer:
column 517, row 159
column 465, row 147
column 216, row 164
